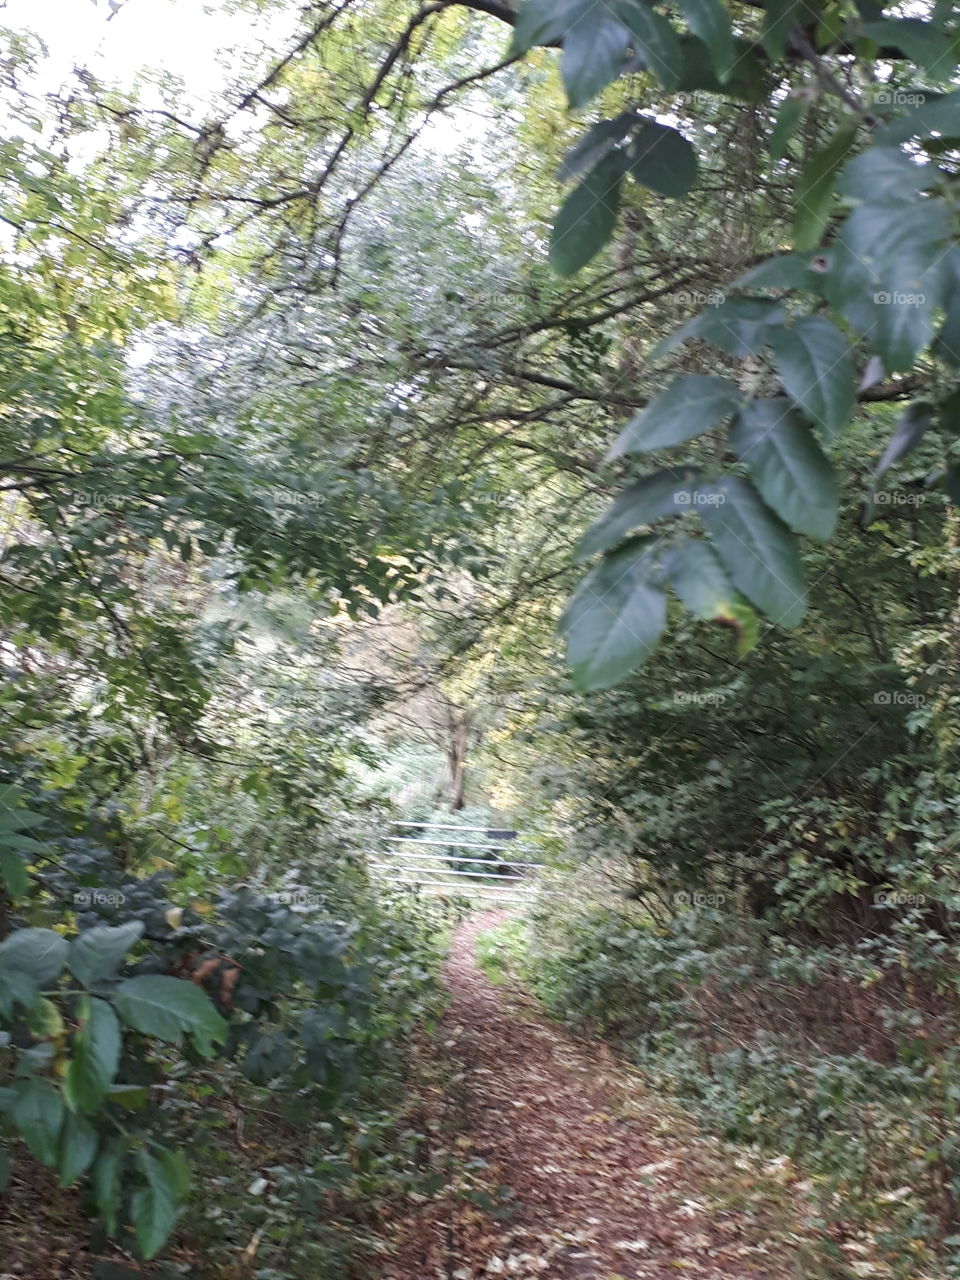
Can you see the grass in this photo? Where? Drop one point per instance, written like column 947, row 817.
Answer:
column 502, row 952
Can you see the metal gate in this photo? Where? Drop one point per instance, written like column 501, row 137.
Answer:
column 407, row 858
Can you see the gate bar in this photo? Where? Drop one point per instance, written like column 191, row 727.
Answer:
column 434, row 857
column 447, row 844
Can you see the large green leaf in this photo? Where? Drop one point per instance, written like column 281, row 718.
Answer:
column 153, row 1208
column 38, row 953
column 739, row 326
column 614, row 618
column 588, row 216
column 13, row 871
column 94, row 1055
column 922, row 42
column 946, row 346
column 790, row 114
column 789, row 468
column 668, row 492
column 885, row 173
column 710, row 20
column 655, row 39
column 915, row 421
column 97, row 952
column 662, row 159
column 78, row 1146
column 814, row 197
column 699, row 579
column 889, row 275
column 168, row 1008
column 935, row 115
column 546, row 21
column 783, row 271
column 780, row 17
column 746, row 82
column 689, row 406
column 815, row 364
column 594, row 51
column 37, row 1111
column 757, row 549
column 595, row 143
column 106, row 1178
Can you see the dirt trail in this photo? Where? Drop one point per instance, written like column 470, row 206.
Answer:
column 602, row 1185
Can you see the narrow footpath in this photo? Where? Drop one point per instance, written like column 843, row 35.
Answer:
column 594, row 1179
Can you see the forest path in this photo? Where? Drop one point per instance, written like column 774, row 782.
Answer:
column 602, row 1185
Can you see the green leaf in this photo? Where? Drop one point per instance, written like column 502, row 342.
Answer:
column 167, row 1008
column 655, row 39
column 689, row 406
column 132, row 1097
column 614, row 618
column 790, row 114
column 662, row 159
column 545, row 22
column 789, row 468
column 38, row 1112
column 106, row 1183
column 922, row 42
column 14, row 873
column 739, row 326
column 757, row 549
column 596, row 143
column 96, row 953
column 699, row 579
column 815, row 364
column 889, row 274
column 594, row 51
column 814, row 196
column 885, row 173
column 95, row 1056
column 153, row 1208
column 780, row 17
column 746, row 82
column 710, row 20
column 78, row 1146
column 660, row 494
column 38, row 953
column 784, row 271
column 915, row 420
column 947, row 344
column 16, row 987
column 587, row 217
column 937, row 115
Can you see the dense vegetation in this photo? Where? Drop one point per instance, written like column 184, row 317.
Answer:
column 320, row 389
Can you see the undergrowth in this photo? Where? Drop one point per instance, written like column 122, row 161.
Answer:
column 826, row 1058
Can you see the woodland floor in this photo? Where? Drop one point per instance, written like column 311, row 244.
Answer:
column 580, row 1172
